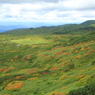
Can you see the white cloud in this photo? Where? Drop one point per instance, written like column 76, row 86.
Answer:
column 62, row 11
column 26, row 1
column 80, row 4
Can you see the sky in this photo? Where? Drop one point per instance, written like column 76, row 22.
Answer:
column 48, row 11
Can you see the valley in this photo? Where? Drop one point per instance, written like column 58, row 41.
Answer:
column 57, row 60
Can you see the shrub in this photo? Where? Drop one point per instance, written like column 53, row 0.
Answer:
column 87, row 90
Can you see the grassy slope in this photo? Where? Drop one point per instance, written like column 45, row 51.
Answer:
column 30, row 41
column 64, row 64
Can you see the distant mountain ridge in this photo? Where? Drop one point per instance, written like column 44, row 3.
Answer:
column 88, row 22
column 7, row 26
column 87, row 26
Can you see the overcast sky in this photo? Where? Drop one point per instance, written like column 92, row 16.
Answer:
column 66, row 11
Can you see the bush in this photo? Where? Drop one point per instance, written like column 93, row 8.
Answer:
column 87, row 90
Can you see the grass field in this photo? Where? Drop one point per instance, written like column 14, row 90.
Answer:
column 31, row 41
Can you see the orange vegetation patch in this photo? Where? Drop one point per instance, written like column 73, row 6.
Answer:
column 5, row 94
column 86, row 54
column 42, row 55
column 57, row 53
column 78, row 57
column 15, row 85
column 1, row 70
column 10, row 60
column 93, row 68
column 91, row 50
column 31, row 71
column 79, row 76
column 60, row 60
column 84, row 78
column 8, row 69
column 34, row 78
column 66, row 53
column 15, row 57
column 82, row 48
column 20, row 77
column 88, row 48
column 63, row 77
column 63, row 48
column 28, row 57
column 54, row 68
column 63, row 88
column 7, row 74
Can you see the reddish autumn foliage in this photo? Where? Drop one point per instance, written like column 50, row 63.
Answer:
column 82, row 48
column 44, row 73
column 54, row 68
column 6, row 67
column 20, row 77
column 7, row 74
column 15, row 57
column 1, row 70
column 88, row 48
column 86, row 54
column 92, row 50
column 15, row 85
column 63, row 66
column 66, row 53
column 28, row 57
column 60, row 60
column 57, row 53
column 42, row 55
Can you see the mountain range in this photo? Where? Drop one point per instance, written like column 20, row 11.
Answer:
column 60, row 29
column 6, row 26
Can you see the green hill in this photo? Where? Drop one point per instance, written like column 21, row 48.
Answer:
column 89, row 22
column 74, row 29
column 48, row 64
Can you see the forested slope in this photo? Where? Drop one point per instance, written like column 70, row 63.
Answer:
column 82, row 28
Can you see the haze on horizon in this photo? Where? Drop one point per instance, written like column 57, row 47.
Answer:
column 47, row 11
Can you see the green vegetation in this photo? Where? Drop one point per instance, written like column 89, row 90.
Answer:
column 30, row 41
column 52, row 64
column 75, row 29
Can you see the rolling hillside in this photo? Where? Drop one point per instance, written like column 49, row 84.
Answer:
column 59, row 61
